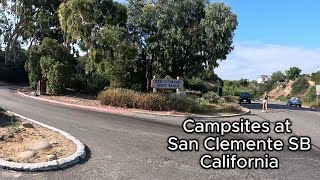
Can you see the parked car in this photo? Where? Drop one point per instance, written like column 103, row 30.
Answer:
column 245, row 97
column 294, row 102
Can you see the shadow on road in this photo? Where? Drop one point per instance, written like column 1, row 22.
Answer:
column 12, row 87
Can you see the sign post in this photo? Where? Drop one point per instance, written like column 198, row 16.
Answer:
column 218, row 85
column 41, row 87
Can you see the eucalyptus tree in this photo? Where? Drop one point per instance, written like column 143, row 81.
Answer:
column 25, row 22
column 179, row 37
column 99, row 29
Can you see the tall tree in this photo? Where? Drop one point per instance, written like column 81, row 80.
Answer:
column 293, row 73
column 25, row 21
column 277, row 76
column 142, row 19
column 180, row 37
column 98, row 27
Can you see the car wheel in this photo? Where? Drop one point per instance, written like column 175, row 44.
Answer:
column 249, row 102
column 299, row 105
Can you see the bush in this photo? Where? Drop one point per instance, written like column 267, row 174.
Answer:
column 96, row 83
column 56, row 74
column 32, row 66
column 315, row 77
column 148, row 101
column 314, row 104
column 231, row 99
column 282, row 98
column 300, row 86
column 57, row 66
column 196, row 84
column 213, row 97
column 310, row 95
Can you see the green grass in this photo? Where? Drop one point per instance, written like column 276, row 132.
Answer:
column 282, row 98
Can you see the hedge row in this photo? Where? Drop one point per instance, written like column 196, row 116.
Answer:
column 148, row 101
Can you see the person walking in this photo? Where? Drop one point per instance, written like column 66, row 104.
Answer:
column 265, row 102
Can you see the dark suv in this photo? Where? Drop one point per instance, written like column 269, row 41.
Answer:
column 245, row 97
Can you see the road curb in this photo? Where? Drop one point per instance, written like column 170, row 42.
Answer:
column 97, row 109
column 50, row 165
column 128, row 113
column 312, row 108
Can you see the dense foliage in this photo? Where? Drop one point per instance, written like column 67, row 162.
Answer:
column 316, row 77
column 301, row 85
column 121, row 46
column 310, row 96
column 277, row 77
column 293, row 73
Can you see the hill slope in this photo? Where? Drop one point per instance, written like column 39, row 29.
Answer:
column 285, row 89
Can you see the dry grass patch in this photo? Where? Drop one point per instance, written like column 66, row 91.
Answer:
column 25, row 142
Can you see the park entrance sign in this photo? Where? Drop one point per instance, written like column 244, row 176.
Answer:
column 167, row 83
column 318, row 89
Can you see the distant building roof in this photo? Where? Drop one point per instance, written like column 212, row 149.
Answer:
column 263, row 76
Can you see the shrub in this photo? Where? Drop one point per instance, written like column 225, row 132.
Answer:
column 196, row 84
column 149, row 101
column 32, row 66
column 299, row 86
column 310, row 95
column 230, row 109
column 57, row 66
column 56, row 74
column 282, row 98
column 316, row 77
column 96, row 83
column 314, row 104
column 231, row 99
column 213, row 97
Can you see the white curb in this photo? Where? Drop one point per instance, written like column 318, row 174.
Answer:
column 50, row 165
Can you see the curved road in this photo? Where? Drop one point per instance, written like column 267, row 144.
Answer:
column 121, row 147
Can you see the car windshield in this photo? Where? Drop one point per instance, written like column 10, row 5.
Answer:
column 244, row 94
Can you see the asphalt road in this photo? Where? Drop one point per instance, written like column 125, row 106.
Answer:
column 121, row 147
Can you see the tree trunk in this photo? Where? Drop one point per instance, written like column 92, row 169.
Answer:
column 11, row 41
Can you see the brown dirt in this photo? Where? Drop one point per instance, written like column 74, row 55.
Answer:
column 14, row 139
column 312, row 83
column 276, row 92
